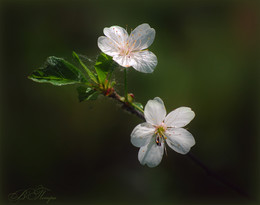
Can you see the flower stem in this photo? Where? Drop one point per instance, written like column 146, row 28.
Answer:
column 138, row 108
column 125, row 76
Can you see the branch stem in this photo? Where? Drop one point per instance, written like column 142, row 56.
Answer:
column 219, row 178
column 127, row 106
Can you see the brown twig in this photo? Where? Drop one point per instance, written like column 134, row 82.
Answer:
column 213, row 174
column 126, row 106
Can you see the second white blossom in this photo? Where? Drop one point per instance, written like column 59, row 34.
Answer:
column 151, row 135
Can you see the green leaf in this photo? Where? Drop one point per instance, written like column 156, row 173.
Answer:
column 58, row 72
column 90, row 74
column 104, row 65
column 87, row 93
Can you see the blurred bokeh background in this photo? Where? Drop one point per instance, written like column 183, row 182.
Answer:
column 208, row 54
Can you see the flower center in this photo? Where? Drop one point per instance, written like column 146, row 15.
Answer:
column 160, row 129
column 159, row 132
column 127, row 48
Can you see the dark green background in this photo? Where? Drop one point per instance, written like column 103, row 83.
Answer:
column 208, row 59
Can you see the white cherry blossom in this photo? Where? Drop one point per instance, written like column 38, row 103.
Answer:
column 130, row 50
column 159, row 130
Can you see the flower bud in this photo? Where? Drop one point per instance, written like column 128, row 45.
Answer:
column 130, row 97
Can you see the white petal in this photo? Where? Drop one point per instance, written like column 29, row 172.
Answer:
column 117, row 34
column 179, row 139
column 141, row 28
column 142, row 134
column 124, row 61
column 108, row 46
column 179, row 117
column 143, row 61
column 154, row 111
column 151, row 154
column 142, row 37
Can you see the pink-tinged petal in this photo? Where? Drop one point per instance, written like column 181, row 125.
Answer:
column 108, row 46
column 179, row 139
column 151, row 154
column 179, row 117
column 144, row 61
column 142, row 134
column 117, row 34
column 154, row 111
column 141, row 37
